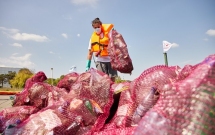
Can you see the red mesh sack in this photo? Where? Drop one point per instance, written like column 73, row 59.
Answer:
column 153, row 123
column 122, row 118
column 185, row 72
column 40, row 95
column 15, row 115
column 95, row 85
column 156, row 76
column 118, row 52
column 68, row 118
column 119, row 87
column 189, row 104
column 118, row 131
column 82, row 111
column 38, row 77
column 145, row 89
column 68, row 80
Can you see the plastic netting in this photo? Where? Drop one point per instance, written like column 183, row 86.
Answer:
column 15, row 115
column 189, row 104
column 117, row 131
column 183, row 104
column 123, row 114
column 40, row 95
column 68, row 81
column 81, row 111
column 161, row 101
column 141, row 90
column 118, row 52
column 97, row 86
column 20, row 97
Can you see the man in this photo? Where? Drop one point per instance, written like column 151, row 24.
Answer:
column 98, row 45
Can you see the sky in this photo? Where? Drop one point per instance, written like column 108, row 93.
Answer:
column 45, row 34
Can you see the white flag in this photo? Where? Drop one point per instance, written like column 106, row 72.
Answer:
column 166, row 46
column 72, row 69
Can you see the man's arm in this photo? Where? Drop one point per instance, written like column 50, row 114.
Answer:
column 90, row 54
column 89, row 57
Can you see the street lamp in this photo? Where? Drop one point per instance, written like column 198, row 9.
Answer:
column 52, row 75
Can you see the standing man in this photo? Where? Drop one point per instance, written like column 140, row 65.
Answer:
column 98, row 46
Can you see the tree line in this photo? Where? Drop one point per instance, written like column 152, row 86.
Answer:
column 17, row 80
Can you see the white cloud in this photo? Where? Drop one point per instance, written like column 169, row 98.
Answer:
column 51, row 52
column 211, row 32
column 175, row 45
column 92, row 3
column 78, row 35
column 16, row 45
column 16, row 35
column 64, row 35
column 26, row 36
column 9, row 30
column 21, row 61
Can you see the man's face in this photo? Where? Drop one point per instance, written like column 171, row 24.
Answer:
column 96, row 25
column 97, row 28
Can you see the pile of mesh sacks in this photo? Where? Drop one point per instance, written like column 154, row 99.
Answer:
column 161, row 101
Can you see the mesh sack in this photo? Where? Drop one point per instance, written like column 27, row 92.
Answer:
column 118, row 131
column 152, row 123
column 42, row 122
column 122, row 117
column 95, row 85
column 70, row 117
column 147, row 102
column 38, row 77
column 155, row 77
column 40, row 95
column 189, row 104
column 15, row 115
column 184, row 72
column 68, row 80
column 119, row 87
column 118, row 52
column 75, row 114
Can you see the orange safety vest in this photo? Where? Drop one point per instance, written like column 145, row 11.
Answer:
column 106, row 28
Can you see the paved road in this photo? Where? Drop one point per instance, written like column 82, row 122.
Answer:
column 5, row 101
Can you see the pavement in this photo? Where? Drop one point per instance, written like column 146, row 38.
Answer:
column 5, row 101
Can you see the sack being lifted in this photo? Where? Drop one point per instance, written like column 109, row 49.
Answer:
column 118, row 52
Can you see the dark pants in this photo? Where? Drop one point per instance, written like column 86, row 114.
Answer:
column 105, row 67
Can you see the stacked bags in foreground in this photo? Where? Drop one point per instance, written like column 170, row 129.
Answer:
column 162, row 100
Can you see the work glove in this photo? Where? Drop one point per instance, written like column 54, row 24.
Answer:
column 88, row 65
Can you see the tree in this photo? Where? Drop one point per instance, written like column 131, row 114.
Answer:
column 10, row 76
column 20, row 78
column 55, row 81
column 2, row 79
